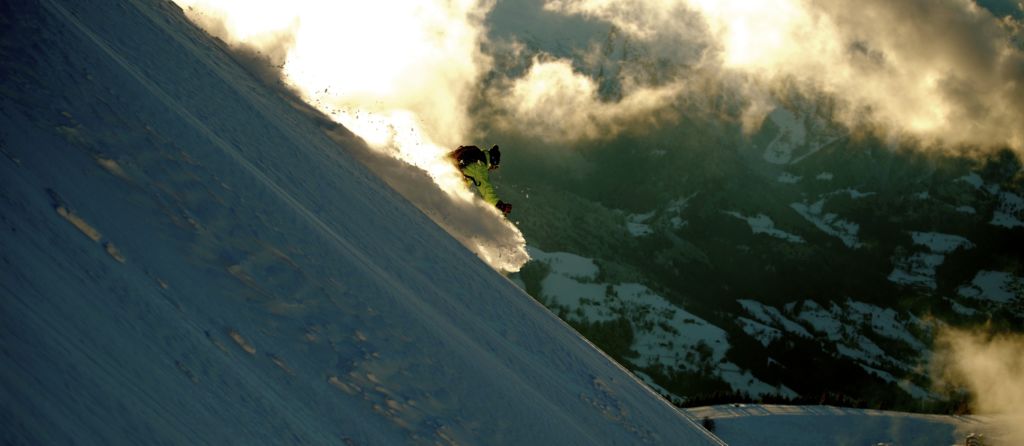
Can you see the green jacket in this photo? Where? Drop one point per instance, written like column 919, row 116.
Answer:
column 477, row 174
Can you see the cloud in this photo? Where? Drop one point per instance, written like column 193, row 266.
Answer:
column 991, row 368
column 947, row 72
column 943, row 71
column 558, row 104
column 383, row 61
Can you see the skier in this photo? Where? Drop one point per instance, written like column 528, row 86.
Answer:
column 475, row 165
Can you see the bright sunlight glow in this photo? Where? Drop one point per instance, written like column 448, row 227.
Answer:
column 398, row 73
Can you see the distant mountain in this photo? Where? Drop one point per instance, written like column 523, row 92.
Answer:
column 724, row 264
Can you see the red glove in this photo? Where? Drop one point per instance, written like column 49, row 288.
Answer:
column 504, row 207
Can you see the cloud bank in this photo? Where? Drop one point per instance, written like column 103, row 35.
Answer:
column 560, row 104
column 946, row 72
column 942, row 71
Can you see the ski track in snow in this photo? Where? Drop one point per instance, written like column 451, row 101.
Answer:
column 188, row 259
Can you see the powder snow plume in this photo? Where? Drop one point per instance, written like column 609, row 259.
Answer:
column 400, row 75
column 991, row 368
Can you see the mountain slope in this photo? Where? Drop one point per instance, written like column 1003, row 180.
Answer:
column 188, row 259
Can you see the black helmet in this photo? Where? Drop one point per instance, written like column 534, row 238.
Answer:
column 495, row 156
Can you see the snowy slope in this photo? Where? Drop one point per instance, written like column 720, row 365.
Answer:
column 186, row 259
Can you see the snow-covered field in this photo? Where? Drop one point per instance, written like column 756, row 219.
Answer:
column 919, row 268
column 763, row 224
column 757, row 424
column 637, row 225
column 829, row 222
column 798, row 136
column 188, row 259
column 663, row 333
column 843, row 326
column 1010, row 211
column 994, row 286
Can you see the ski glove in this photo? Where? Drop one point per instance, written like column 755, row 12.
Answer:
column 504, row 207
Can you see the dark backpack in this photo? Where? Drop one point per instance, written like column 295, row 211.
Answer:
column 467, row 155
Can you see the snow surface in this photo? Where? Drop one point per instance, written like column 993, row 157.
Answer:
column 960, row 308
column 1010, row 213
column 842, row 325
column 188, row 258
column 913, row 389
column 757, row 425
column 763, row 224
column 791, row 135
column 663, row 333
column 570, row 265
column 940, row 243
column 853, row 193
column 803, row 132
column 788, row 178
column 676, row 208
column 996, row 286
column 972, row 179
column 675, row 399
column 637, row 225
column 848, row 341
column 763, row 333
column 886, row 322
column 773, row 317
column 741, row 379
column 828, row 222
column 919, row 268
